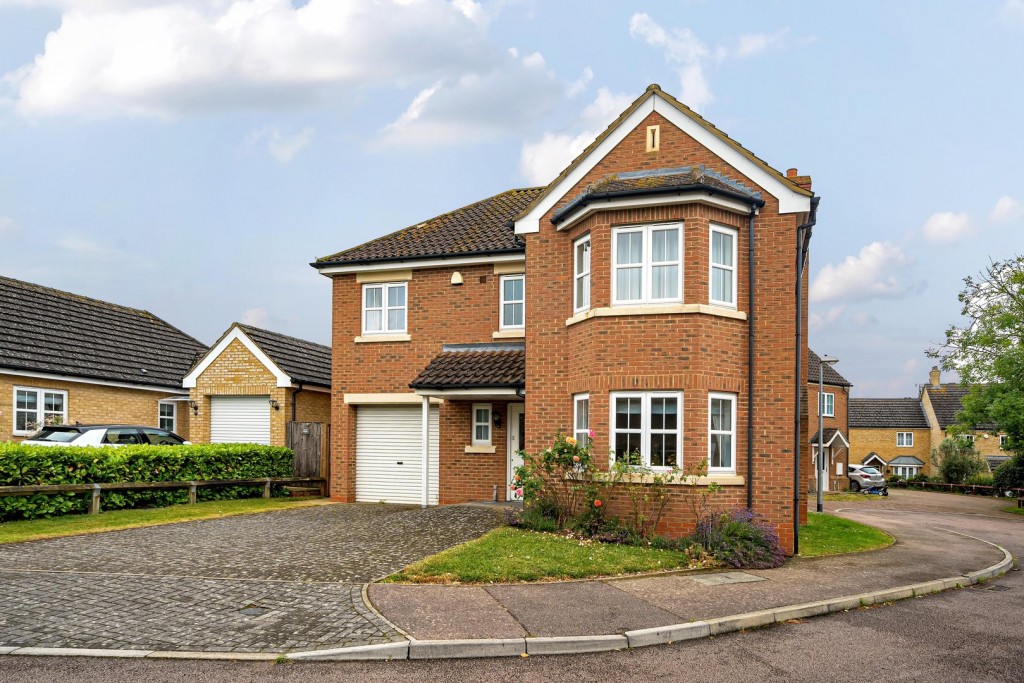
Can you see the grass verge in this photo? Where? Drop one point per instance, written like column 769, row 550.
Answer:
column 1015, row 510
column 847, row 497
column 73, row 525
column 826, row 534
column 507, row 555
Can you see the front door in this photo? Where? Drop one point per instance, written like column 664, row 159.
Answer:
column 822, row 468
column 516, row 439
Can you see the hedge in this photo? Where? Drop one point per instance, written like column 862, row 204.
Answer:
column 22, row 465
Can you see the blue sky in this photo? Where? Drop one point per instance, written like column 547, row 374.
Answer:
column 192, row 158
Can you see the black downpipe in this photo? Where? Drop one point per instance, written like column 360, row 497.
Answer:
column 750, row 361
column 295, row 396
column 803, row 241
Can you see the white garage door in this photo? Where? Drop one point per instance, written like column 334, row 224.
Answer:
column 240, row 419
column 389, row 454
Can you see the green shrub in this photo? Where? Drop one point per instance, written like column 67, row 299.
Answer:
column 981, row 479
column 559, row 479
column 895, row 479
column 22, row 465
column 741, row 538
column 958, row 460
column 1010, row 475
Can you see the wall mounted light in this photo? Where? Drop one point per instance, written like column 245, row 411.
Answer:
column 456, row 279
column 274, row 404
column 496, row 418
column 194, row 405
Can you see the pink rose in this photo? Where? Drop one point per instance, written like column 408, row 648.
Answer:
column 591, row 433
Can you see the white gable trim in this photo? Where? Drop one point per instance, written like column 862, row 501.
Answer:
column 283, row 380
column 789, row 201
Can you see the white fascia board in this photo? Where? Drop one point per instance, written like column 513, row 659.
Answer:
column 531, row 222
column 789, row 201
column 87, row 380
column 687, row 197
column 837, row 435
column 283, row 380
column 420, row 264
column 456, row 394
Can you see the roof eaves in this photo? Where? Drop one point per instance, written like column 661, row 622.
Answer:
column 425, row 257
column 585, row 199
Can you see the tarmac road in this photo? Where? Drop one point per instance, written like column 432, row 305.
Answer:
column 974, row 634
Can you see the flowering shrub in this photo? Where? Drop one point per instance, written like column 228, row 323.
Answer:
column 558, row 479
column 741, row 538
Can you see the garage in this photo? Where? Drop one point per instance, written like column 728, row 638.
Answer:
column 240, row 419
column 389, row 454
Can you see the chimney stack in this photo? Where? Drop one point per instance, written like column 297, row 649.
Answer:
column 934, row 376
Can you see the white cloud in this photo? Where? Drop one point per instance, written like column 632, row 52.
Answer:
column 281, row 146
column 1006, row 209
column 1012, row 12
column 8, row 228
column 542, row 160
column 166, row 58
column 756, row 43
column 83, row 247
column 817, row 321
column 581, row 83
column 947, row 226
column 874, row 273
column 257, row 317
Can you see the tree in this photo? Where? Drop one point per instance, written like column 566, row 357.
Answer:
column 957, row 460
column 987, row 351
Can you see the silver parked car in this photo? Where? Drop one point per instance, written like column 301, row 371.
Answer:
column 103, row 435
column 865, row 477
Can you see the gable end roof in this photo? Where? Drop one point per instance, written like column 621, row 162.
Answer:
column 829, row 374
column 50, row 331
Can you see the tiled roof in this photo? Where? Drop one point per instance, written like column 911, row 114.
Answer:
column 903, row 413
column 52, row 331
column 304, row 361
column 830, row 375
column 995, row 461
column 657, row 181
column 906, row 460
column 830, row 434
column 481, row 227
column 475, row 366
column 870, row 456
column 947, row 401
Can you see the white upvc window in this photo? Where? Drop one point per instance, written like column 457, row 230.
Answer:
column 481, row 424
column 967, row 437
column 647, row 428
column 904, row 439
column 167, row 416
column 35, row 408
column 647, row 264
column 1002, row 441
column 581, row 418
column 513, row 302
column 384, row 308
column 721, row 432
column 906, row 471
column 723, row 266
column 827, row 405
column 581, row 270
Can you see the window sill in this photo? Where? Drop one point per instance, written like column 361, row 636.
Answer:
column 722, row 479
column 481, row 450
column 509, row 334
column 656, row 309
column 377, row 338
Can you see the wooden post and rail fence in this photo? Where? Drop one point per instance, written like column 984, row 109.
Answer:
column 97, row 489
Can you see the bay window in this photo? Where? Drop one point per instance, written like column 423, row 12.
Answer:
column 647, row 428
column 581, row 418
column 647, row 264
column 581, row 270
column 721, row 432
column 723, row 266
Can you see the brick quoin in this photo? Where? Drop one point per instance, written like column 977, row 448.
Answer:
column 695, row 353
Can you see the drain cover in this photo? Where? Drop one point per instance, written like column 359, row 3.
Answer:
column 253, row 611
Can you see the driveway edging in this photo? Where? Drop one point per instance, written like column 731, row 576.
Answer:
column 521, row 647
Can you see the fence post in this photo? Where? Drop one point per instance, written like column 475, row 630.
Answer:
column 266, row 489
column 94, row 504
column 191, row 493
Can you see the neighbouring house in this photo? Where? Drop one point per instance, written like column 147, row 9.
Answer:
column 941, row 403
column 891, row 434
column 253, row 382
column 833, row 402
column 627, row 298
column 66, row 358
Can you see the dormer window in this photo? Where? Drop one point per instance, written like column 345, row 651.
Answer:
column 647, row 264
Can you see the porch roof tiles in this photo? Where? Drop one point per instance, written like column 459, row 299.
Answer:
column 475, row 366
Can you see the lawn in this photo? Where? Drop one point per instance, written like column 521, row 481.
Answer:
column 1015, row 510
column 73, row 525
column 826, row 534
column 848, row 497
column 508, row 555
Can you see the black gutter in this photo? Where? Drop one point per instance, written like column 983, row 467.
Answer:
column 585, row 199
column 171, row 388
column 750, row 360
column 295, row 395
column 418, row 257
column 803, row 242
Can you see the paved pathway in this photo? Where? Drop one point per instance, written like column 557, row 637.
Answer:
column 272, row 581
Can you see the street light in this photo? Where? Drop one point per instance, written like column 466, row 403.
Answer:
column 822, row 470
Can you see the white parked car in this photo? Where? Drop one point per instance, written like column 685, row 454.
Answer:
column 103, row 435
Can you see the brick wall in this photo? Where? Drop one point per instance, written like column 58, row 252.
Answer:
column 883, row 441
column 92, row 404
column 839, row 420
column 471, row 476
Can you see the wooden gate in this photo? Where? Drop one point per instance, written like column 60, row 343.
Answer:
column 306, row 439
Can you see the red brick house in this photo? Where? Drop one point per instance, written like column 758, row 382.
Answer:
column 653, row 293
column 834, row 403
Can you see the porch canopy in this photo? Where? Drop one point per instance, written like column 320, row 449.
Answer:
column 475, row 372
column 831, row 435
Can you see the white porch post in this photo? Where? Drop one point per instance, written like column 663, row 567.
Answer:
column 426, row 451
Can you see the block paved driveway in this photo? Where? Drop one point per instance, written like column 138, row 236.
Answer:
column 272, row 581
